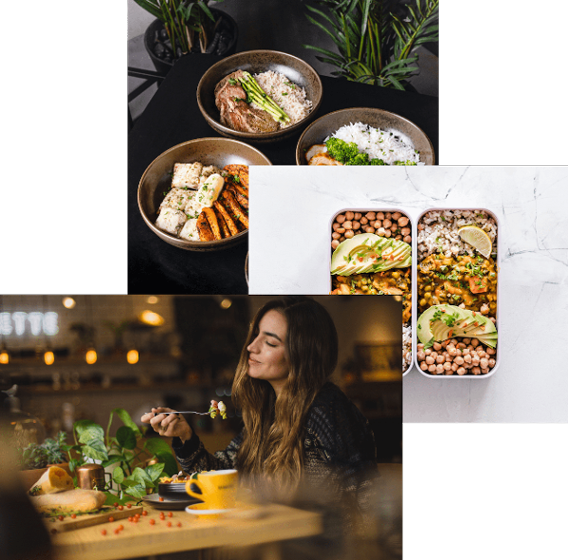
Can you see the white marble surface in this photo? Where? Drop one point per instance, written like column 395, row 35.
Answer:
column 290, row 213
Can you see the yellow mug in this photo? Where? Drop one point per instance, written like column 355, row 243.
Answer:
column 218, row 488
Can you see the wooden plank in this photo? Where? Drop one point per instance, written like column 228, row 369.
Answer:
column 88, row 520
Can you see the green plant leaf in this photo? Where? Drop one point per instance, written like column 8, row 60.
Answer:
column 118, row 475
column 73, row 464
column 137, row 491
column 155, row 471
column 157, row 445
column 126, row 437
column 139, row 475
column 88, row 430
column 170, row 464
column 95, row 449
column 127, row 420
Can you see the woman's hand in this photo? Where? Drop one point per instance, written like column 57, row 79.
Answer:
column 168, row 425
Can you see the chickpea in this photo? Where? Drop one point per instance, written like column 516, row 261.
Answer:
column 476, row 370
column 459, row 360
column 387, row 224
column 340, row 230
column 428, row 351
column 432, row 368
column 349, row 215
column 388, row 215
column 455, row 367
column 491, row 362
column 407, row 239
column 380, row 231
column 396, row 215
column 467, row 359
column 405, row 231
column 423, row 366
column 398, row 237
column 475, row 360
column 342, row 238
column 439, row 369
column 440, row 359
column 363, row 221
column 394, row 227
column 461, row 345
column 420, row 346
column 336, row 226
column 369, row 229
column 357, row 215
column 420, row 227
column 347, row 224
column 483, row 363
column 429, row 360
column 402, row 221
column 377, row 224
column 484, row 371
column 380, row 216
column 387, row 233
column 335, row 235
column 491, row 351
column 349, row 234
column 434, row 354
column 437, row 346
column 461, row 371
column 370, row 216
column 447, row 366
column 340, row 218
column 466, row 341
column 420, row 355
column 474, row 342
column 335, row 244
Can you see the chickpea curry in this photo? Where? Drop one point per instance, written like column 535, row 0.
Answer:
column 471, row 280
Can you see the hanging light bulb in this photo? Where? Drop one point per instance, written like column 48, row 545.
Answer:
column 91, row 356
column 48, row 357
column 226, row 303
column 4, row 356
column 68, row 302
column 151, row 318
column 132, row 357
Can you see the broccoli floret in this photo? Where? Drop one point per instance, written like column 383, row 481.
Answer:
column 407, row 162
column 377, row 161
column 359, row 159
column 341, row 150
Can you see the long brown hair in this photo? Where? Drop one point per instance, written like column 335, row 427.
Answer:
column 273, row 435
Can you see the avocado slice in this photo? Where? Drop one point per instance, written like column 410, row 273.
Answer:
column 440, row 322
column 367, row 252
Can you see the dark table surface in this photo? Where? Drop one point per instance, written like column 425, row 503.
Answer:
column 172, row 117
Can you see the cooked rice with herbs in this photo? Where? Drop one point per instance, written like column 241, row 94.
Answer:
column 290, row 97
column 438, row 231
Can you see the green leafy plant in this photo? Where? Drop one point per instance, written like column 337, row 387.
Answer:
column 50, row 452
column 189, row 25
column 376, row 39
column 129, row 451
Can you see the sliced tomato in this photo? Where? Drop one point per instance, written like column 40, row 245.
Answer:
column 477, row 284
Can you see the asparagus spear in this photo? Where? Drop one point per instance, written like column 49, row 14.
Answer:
column 261, row 98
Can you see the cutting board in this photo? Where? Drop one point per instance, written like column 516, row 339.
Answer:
column 90, row 519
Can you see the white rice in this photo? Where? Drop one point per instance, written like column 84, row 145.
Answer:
column 440, row 231
column 389, row 144
column 290, row 97
column 406, row 346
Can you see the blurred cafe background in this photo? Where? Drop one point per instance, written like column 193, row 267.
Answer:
column 70, row 358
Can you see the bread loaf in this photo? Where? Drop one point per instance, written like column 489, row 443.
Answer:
column 54, row 479
column 70, row 501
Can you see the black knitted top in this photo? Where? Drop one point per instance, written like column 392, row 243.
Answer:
column 339, row 448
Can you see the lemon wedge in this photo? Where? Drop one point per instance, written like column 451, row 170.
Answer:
column 477, row 238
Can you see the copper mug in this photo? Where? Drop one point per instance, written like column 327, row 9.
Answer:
column 91, row 477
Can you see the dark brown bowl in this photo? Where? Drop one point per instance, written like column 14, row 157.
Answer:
column 320, row 129
column 295, row 69
column 175, row 491
column 157, row 179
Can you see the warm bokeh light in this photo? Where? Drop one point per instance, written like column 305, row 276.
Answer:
column 91, row 356
column 226, row 303
column 132, row 357
column 69, row 302
column 48, row 357
column 4, row 357
column 152, row 300
column 151, row 318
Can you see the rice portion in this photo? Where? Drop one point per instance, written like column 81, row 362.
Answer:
column 438, row 231
column 406, row 346
column 291, row 98
column 389, row 144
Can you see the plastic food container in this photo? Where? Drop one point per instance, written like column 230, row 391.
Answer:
column 412, row 234
column 415, row 291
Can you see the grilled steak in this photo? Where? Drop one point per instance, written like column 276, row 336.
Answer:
column 236, row 113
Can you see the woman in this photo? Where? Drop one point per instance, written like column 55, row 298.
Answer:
column 299, row 429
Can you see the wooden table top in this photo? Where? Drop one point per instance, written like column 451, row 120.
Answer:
column 267, row 524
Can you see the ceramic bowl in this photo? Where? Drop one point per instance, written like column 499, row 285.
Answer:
column 295, row 69
column 321, row 128
column 157, row 179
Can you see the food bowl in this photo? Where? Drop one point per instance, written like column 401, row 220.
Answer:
column 173, row 491
column 323, row 127
column 408, row 345
column 415, row 288
column 295, row 69
column 157, row 179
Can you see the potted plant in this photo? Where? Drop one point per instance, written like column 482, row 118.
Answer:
column 36, row 458
column 138, row 462
column 183, row 27
column 376, row 39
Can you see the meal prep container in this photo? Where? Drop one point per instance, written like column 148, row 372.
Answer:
column 415, row 299
column 412, row 270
